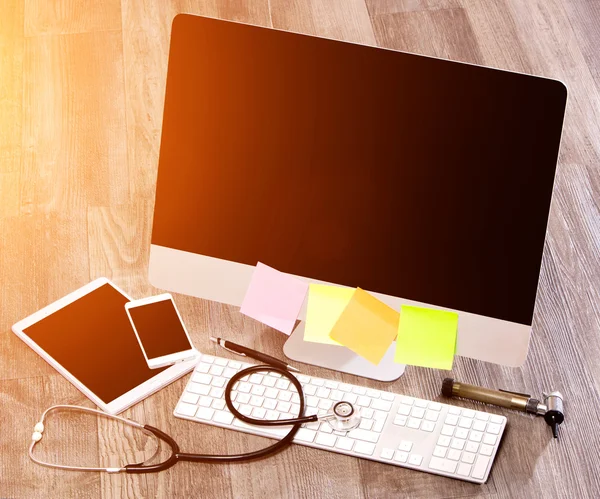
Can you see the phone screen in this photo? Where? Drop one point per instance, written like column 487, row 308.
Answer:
column 159, row 328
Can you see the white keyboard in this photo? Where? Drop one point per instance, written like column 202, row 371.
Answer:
column 394, row 429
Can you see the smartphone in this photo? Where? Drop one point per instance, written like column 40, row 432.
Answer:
column 160, row 331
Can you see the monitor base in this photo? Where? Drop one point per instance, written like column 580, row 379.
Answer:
column 338, row 358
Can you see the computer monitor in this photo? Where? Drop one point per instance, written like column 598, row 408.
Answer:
column 421, row 180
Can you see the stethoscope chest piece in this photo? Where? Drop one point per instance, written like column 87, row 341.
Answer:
column 343, row 417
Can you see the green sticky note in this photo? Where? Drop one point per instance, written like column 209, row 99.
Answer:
column 426, row 337
column 325, row 305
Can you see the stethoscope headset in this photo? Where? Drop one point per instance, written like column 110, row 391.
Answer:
column 342, row 417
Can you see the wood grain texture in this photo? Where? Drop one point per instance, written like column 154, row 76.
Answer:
column 81, row 94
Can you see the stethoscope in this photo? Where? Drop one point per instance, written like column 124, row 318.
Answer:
column 342, row 417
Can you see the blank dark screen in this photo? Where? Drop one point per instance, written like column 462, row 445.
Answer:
column 159, row 328
column 92, row 338
column 411, row 176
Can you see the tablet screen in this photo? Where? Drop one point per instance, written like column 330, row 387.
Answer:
column 92, row 338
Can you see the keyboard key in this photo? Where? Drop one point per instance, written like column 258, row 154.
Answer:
column 439, row 451
column 256, row 401
column 282, row 384
column 363, row 401
column 337, row 395
column 218, row 404
column 246, row 410
column 405, row 445
column 190, row 398
column 186, row 409
column 305, row 435
column 454, row 454
column 205, row 413
column 331, row 384
column 415, row 459
column 381, row 405
column 427, row 426
column 317, row 382
column 461, row 433
column 345, row 387
column 219, row 382
column 404, row 410
column 486, row 450
column 468, row 413
column 344, row 443
column 435, row 406
column 234, row 364
column 448, row 430
column 389, row 397
column 480, row 467
column 223, row 417
column 323, row 392
column 451, row 419
column 216, row 370
column 472, row 446
column 209, row 359
column 489, row 439
column 378, row 426
column 256, row 378
column 463, row 469
column 271, row 393
column 457, row 444
column 437, row 463
column 373, row 393
column 367, row 436
column 454, row 410
column 243, row 398
column 387, row 453
column 228, row 372
column 220, row 361
column 259, row 413
column 244, row 387
column 496, row 419
column 431, row 415
column 444, row 441
column 269, row 382
column 468, row 457
column 493, row 428
column 274, row 416
column 325, row 404
column 367, row 413
column 483, row 416
column 401, row 456
column 350, row 397
column 479, row 425
column 366, row 424
column 303, row 378
column 202, row 378
column 413, row 423
column 400, row 420
column 285, row 396
column 202, row 368
column 217, row 393
column 364, row 448
column 359, row 390
column 326, row 439
column 417, row 412
column 205, row 401
column 284, row 406
column 475, row 436
column 407, row 400
column 465, row 422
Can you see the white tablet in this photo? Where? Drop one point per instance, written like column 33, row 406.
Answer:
column 87, row 337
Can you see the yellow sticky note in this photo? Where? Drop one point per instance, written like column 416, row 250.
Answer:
column 426, row 337
column 367, row 326
column 325, row 305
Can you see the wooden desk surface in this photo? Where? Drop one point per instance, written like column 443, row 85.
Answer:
column 81, row 97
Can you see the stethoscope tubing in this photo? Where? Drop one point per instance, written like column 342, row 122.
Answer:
column 176, row 455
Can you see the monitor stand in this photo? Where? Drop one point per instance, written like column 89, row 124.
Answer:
column 340, row 358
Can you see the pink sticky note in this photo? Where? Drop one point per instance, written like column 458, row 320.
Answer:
column 274, row 298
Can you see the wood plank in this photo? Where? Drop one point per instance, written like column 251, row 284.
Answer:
column 11, row 90
column 70, row 16
column 68, row 438
column 74, row 128
column 377, row 7
column 339, row 19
